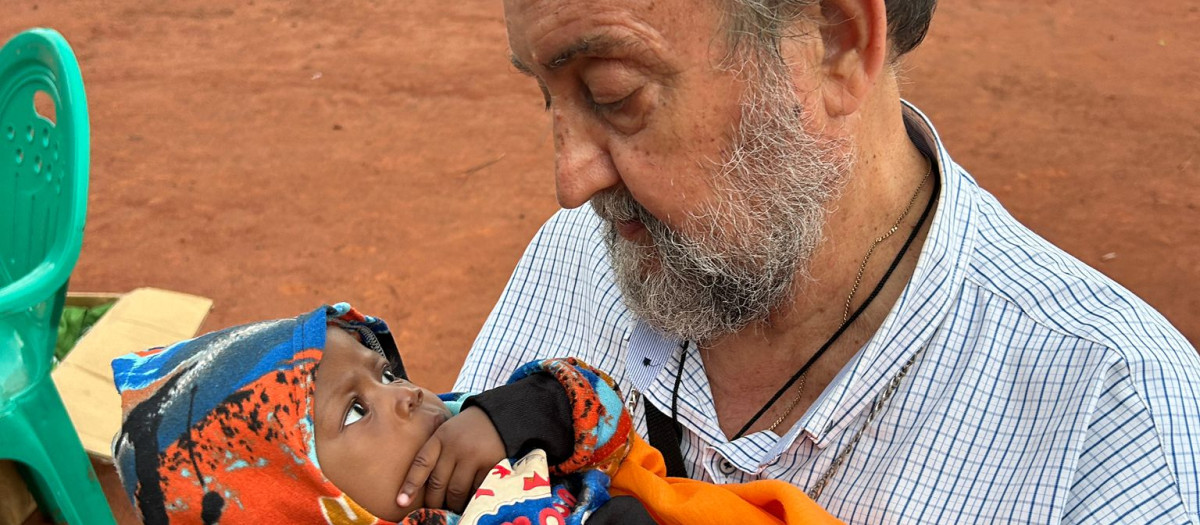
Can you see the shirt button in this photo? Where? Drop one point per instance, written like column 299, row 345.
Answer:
column 726, row 467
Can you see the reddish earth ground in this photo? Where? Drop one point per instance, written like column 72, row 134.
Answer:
column 275, row 155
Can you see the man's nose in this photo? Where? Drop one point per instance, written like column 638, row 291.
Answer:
column 408, row 398
column 582, row 163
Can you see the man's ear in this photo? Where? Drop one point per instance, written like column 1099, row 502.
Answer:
column 854, row 37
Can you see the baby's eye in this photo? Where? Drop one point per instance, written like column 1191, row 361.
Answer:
column 357, row 411
column 387, row 377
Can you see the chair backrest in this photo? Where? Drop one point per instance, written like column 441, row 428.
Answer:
column 44, row 159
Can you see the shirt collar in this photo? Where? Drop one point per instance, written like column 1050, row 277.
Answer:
column 651, row 366
column 649, row 352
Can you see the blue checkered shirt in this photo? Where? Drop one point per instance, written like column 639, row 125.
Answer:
column 1043, row 392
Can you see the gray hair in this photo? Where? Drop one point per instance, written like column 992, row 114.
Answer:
column 762, row 24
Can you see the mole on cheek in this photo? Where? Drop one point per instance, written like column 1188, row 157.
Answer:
column 561, row 133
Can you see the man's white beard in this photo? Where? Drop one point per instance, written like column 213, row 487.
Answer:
column 742, row 254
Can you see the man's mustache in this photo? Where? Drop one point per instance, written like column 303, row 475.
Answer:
column 618, row 205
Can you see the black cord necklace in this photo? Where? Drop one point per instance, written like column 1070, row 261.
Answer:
column 832, row 339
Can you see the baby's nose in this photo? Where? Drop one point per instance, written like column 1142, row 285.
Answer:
column 408, row 399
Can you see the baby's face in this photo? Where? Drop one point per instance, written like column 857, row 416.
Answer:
column 369, row 425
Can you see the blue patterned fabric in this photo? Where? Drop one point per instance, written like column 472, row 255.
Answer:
column 532, row 501
column 1044, row 392
column 573, row 500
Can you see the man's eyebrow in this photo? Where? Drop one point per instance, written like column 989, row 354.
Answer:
column 593, row 45
column 516, row 62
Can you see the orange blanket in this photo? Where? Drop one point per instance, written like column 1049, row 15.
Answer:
column 681, row 501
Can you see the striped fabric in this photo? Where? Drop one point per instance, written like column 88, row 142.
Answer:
column 1043, row 392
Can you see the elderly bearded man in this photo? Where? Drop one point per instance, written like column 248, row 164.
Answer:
column 782, row 257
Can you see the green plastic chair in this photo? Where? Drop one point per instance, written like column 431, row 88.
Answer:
column 43, row 200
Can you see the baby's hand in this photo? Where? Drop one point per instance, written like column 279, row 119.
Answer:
column 454, row 461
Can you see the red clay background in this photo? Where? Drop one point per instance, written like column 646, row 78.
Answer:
column 275, row 155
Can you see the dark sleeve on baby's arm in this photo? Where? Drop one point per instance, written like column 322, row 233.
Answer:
column 531, row 413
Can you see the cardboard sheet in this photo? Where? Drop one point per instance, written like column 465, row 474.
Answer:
column 143, row 318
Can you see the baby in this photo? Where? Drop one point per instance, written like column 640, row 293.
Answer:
column 312, row 420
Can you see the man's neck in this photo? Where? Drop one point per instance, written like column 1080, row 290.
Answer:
column 885, row 179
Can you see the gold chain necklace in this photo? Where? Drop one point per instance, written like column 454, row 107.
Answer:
column 792, row 405
column 854, row 289
column 862, row 267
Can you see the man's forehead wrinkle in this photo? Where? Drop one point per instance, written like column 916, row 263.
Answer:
column 550, row 33
column 636, row 41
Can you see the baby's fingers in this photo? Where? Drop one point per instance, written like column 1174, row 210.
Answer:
column 419, row 471
column 439, row 482
column 460, row 489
